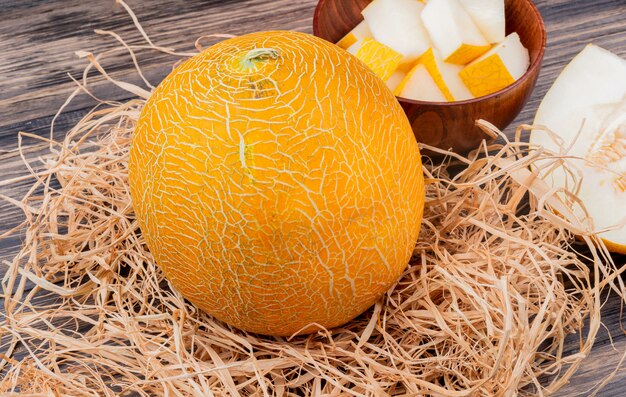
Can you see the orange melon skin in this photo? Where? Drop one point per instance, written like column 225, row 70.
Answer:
column 279, row 194
column 614, row 247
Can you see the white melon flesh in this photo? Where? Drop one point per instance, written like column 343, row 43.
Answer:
column 586, row 109
column 453, row 31
column 514, row 55
column 446, row 76
column 420, row 86
column 396, row 23
column 360, row 32
column 354, row 48
column 394, row 81
column 489, row 17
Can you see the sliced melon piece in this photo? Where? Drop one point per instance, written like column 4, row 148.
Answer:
column 396, row 23
column 360, row 32
column 488, row 15
column 355, row 47
column 395, row 80
column 498, row 68
column 586, row 109
column 453, row 31
column 381, row 59
column 446, row 76
column 420, row 86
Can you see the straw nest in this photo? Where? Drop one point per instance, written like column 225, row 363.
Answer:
column 484, row 308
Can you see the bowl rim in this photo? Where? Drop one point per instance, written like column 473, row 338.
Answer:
column 532, row 69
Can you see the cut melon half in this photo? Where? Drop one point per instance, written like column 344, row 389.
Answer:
column 586, row 110
column 453, row 31
column 396, row 23
column 488, row 16
column 360, row 32
column 420, row 86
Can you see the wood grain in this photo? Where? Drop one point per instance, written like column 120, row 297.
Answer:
column 38, row 39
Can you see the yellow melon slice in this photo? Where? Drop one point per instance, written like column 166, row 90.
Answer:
column 382, row 60
column 360, row 32
column 446, row 76
column 420, row 86
column 498, row 68
column 586, row 109
column 453, row 31
column 488, row 15
column 396, row 23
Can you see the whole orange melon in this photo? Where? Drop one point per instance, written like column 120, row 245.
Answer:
column 277, row 183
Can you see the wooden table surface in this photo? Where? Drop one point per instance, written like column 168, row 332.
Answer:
column 38, row 39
